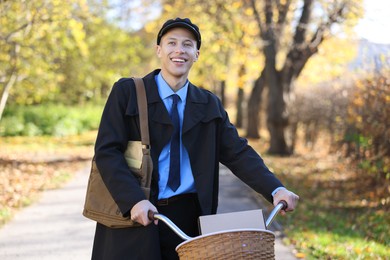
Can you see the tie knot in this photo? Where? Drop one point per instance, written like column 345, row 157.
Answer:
column 175, row 99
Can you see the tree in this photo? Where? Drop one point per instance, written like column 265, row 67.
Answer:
column 33, row 36
column 64, row 51
column 284, row 65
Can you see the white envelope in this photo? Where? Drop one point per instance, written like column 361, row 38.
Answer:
column 251, row 219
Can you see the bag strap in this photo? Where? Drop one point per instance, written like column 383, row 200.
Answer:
column 143, row 111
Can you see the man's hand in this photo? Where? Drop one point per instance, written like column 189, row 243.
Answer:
column 139, row 213
column 290, row 197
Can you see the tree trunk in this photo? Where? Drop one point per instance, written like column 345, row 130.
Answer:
column 12, row 78
column 5, row 94
column 277, row 120
column 222, row 92
column 254, row 105
column 240, row 96
column 240, row 101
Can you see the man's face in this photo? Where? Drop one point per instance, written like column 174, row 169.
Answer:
column 177, row 52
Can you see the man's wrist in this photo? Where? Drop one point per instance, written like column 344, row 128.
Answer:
column 276, row 190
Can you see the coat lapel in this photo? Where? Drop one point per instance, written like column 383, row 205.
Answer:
column 160, row 126
column 199, row 108
column 195, row 108
column 159, row 113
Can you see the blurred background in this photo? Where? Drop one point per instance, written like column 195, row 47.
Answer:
column 306, row 81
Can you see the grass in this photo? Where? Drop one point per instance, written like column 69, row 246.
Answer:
column 337, row 234
column 343, row 213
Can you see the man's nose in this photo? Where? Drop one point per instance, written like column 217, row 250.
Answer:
column 180, row 48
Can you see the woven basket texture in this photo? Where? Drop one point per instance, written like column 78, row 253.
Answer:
column 230, row 246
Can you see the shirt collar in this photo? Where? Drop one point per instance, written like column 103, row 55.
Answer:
column 165, row 90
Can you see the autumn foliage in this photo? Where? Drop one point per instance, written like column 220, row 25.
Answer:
column 355, row 114
column 368, row 118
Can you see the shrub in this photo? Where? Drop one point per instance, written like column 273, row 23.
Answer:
column 11, row 126
column 355, row 114
column 369, row 114
column 49, row 119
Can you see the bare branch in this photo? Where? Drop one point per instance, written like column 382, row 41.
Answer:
column 258, row 18
column 334, row 17
column 283, row 10
column 282, row 17
column 300, row 32
column 301, row 51
column 268, row 13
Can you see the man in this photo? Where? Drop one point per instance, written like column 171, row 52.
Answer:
column 190, row 135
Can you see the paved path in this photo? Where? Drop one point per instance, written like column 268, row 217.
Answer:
column 236, row 196
column 53, row 228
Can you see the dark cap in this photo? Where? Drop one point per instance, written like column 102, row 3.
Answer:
column 179, row 22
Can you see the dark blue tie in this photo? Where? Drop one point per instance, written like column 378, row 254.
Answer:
column 174, row 167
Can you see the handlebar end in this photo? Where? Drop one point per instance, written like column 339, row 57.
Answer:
column 151, row 215
column 285, row 205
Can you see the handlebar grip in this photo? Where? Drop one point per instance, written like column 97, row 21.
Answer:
column 285, row 205
column 151, row 215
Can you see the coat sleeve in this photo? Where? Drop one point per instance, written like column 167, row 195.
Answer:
column 244, row 161
column 116, row 128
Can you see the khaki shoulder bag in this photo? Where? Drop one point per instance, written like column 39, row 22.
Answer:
column 99, row 204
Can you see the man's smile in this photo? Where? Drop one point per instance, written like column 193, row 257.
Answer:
column 179, row 60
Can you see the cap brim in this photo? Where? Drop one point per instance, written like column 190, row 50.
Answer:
column 183, row 25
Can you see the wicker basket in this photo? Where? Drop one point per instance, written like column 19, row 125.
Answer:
column 230, row 245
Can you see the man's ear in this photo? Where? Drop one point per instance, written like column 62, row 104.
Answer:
column 158, row 51
column 197, row 55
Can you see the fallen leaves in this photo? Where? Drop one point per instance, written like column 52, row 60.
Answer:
column 29, row 166
column 21, row 183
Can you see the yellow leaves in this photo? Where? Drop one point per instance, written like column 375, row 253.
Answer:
column 150, row 28
column 359, row 101
column 168, row 8
column 368, row 114
column 330, row 62
column 237, row 4
column 248, row 11
column 360, row 250
column 252, row 29
column 78, row 33
column 300, row 255
column 49, row 32
column 83, row 5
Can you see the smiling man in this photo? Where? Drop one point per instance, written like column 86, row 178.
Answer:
column 190, row 134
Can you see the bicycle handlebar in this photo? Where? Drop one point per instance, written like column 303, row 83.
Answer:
column 154, row 215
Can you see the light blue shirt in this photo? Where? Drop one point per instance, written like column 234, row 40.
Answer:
column 186, row 178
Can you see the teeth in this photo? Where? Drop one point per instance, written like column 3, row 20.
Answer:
column 178, row 60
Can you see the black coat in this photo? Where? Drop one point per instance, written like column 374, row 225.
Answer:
column 207, row 134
